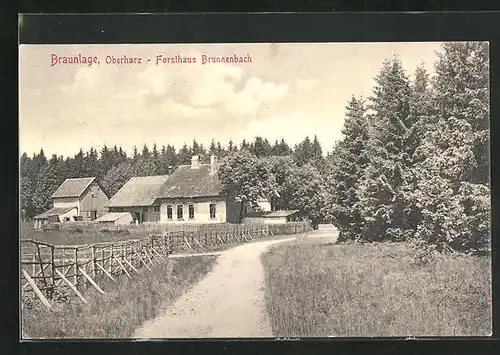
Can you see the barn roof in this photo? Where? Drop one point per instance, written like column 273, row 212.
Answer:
column 112, row 216
column 73, row 187
column 56, row 211
column 186, row 181
column 280, row 213
column 138, row 191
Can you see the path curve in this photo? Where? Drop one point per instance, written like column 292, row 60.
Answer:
column 227, row 303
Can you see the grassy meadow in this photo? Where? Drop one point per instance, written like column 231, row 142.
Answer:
column 318, row 289
column 77, row 236
column 124, row 307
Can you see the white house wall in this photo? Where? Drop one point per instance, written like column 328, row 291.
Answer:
column 201, row 211
column 64, row 202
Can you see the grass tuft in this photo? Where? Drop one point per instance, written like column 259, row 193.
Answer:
column 125, row 306
column 353, row 290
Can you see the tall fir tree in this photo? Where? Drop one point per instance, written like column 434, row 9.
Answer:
column 135, row 154
column 78, row 165
column 220, row 150
column 303, row 152
column 155, row 158
column 106, row 159
column 231, row 147
column 382, row 191
column 28, row 184
column 452, row 173
column 284, row 148
column 184, row 155
column 347, row 167
column 145, row 154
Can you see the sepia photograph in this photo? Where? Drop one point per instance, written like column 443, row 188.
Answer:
column 254, row 190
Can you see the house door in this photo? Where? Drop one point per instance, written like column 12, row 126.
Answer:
column 93, row 215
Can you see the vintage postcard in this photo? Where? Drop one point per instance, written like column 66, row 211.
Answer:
column 263, row 190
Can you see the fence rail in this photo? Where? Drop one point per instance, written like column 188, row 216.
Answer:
column 47, row 268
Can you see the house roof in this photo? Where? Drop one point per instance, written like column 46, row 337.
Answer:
column 73, row 187
column 112, row 216
column 280, row 213
column 138, row 191
column 186, row 181
column 56, row 211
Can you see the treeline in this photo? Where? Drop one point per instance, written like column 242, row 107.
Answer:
column 40, row 175
column 414, row 161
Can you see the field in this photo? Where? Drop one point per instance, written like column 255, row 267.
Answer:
column 79, row 237
column 124, row 307
column 349, row 290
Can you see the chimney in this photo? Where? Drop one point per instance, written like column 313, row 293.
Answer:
column 195, row 163
column 213, row 164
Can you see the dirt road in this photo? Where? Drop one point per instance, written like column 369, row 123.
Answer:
column 227, row 303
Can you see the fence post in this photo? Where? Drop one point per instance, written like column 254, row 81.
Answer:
column 75, row 277
column 53, row 266
column 111, row 255
column 94, row 262
column 33, row 267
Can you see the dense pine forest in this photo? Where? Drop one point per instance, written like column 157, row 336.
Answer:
column 40, row 175
column 413, row 163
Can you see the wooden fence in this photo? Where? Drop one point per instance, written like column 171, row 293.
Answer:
column 47, row 268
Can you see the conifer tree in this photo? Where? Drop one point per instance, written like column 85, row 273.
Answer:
column 212, row 149
column 303, row 152
column 170, row 156
column 231, row 147
column 78, row 165
column 316, row 150
column 347, row 167
column 155, row 158
column 244, row 145
column 284, row 148
column 380, row 188
column 46, row 185
column 145, row 154
column 135, row 154
column 116, row 177
column 106, row 159
column 220, row 151
column 28, row 183
column 184, row 155
column 453, row 184
column 261, row 147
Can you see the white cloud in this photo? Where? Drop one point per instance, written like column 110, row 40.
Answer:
column 170, row 107
column 306, row 85
column 255, row 94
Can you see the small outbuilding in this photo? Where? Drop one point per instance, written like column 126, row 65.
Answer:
column 271, row 217
column 281, row 216
column 116, row 218
column 54, row 215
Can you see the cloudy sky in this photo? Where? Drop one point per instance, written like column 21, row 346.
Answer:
column 288, row 90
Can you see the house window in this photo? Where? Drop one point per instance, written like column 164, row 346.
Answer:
column 169, row 211
column 66, row 219
column 179, row 211
column 157, row 208
column 212, row 210
column 191, row 211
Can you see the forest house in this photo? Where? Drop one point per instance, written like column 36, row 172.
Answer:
column 77, row 199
